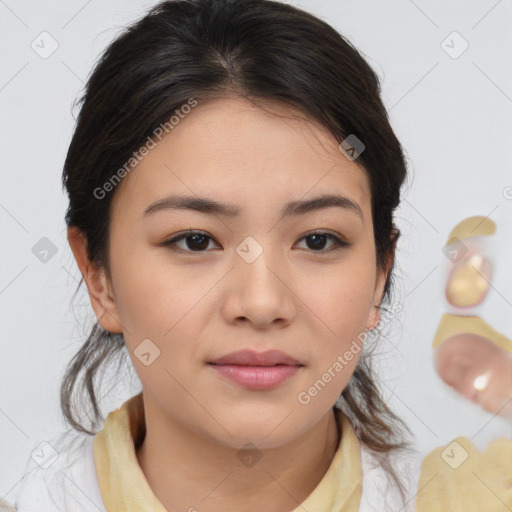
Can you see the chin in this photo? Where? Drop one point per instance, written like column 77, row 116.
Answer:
column 265, row 434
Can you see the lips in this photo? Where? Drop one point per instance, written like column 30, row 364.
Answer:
column 257, row 371
column 252, row 358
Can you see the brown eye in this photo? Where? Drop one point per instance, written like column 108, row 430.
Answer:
column 316, row 241
column 195, row 241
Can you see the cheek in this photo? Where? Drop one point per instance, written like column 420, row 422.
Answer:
column 340, row 298
column 155, row 308
column 339, row 307
column 152, row 294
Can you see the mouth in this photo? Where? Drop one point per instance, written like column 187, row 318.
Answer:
column 253, row 358
column 256, row 377
column 255, row 370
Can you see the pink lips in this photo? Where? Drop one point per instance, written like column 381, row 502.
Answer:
column 257, row 370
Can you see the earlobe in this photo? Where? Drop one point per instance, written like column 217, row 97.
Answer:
column 374, row 318
column 380, row 283
column 374, row 313
column 98, row 286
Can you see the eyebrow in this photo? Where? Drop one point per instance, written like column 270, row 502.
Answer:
column 293, row 208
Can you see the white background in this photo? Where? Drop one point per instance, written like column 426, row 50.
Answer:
column 452, row 115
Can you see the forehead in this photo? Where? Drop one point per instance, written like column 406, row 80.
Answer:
column 232, row 150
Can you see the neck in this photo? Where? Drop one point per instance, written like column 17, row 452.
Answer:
column 187, row 471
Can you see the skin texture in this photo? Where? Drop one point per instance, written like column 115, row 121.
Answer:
column 197, row 306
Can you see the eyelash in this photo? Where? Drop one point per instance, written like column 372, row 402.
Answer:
column 171, row 243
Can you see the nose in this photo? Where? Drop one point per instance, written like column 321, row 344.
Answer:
column 261, row 291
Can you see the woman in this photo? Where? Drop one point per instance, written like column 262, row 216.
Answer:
column 232, row 180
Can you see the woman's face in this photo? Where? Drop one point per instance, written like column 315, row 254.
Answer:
column 254, row 280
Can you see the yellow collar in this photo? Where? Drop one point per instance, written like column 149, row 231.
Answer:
column 123, row 484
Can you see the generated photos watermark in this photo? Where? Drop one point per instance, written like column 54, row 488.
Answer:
column 158, row 133
column 304, row 397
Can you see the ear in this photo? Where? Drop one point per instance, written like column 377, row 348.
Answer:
column 98, row 285
column 380, row 281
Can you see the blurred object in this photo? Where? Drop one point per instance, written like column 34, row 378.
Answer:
column 6, row 507
column 460, row 477
column 469, row 355
column 469, row 282
column 479, row 370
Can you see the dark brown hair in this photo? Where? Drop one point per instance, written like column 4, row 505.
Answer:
column 203, row 49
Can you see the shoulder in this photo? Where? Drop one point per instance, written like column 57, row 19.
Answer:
column 379, row 489
column 61, row 475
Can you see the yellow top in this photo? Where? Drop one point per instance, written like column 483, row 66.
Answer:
column 453, row 478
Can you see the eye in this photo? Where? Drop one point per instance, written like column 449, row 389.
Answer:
column 318, row 238
column 198, row 241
